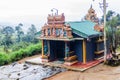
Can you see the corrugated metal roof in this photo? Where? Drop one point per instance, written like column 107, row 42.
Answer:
column 83, row 28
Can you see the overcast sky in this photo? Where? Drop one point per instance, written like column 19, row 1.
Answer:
column 36, row 11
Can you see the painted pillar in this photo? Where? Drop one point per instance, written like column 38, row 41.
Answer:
column 48, row 42
column 54, row 32
column 66, row 49
column 42, row 48
column 84, row 51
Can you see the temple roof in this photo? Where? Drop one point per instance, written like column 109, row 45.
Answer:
column 84, row 29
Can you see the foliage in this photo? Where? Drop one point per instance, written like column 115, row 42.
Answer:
column 113, row 62
column 7, row 37
column 21, row 53
column 4, row 59
column 8, row 30
column 17, row 43
column 113, row 21
column 19, row 31
column 109, row 15
column 118, row 49
column 7, row 41
column 31, row 34
column 21, row 45
column 29, row 51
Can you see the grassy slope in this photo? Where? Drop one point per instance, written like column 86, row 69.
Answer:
column 22, row 53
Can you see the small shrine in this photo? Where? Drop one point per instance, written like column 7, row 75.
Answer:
column 92, row 16
column 72, row 42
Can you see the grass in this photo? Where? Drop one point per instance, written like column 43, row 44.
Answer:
column 21, row 53
column 2, row 50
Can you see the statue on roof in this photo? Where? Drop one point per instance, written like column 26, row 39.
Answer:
column 91, row 15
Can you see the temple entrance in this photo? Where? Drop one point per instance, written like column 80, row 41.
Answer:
column 57, row 50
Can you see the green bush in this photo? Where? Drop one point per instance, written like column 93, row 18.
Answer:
column 17, row 55
column 19, row 46
column 34, row 49
column 21, row 53
column 4, row 59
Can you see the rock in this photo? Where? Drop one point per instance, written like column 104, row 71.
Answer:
column 17, row 79
column 30, row 77
column 18, row 74
column 26, row 71
column 44, row 66
column 14, row 76
column 3, row 77
column 13, row 64
column 25, row 67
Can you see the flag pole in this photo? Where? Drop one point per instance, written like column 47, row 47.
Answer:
column 104, row 14
column 105, row 48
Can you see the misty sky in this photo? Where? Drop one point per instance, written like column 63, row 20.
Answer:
column 36, row 11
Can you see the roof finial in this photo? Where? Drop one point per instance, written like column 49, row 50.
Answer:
column 91, row 6
column 56, row 13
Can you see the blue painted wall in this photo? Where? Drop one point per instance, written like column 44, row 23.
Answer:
column 90, row 49
column 101, row 46
column 45, row 47
column 78, row 50
column 52, row 50
column 57, row 49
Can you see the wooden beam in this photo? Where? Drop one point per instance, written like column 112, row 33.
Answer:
column 84, row 51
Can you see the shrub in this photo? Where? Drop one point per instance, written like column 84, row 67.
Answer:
column 34, row 49
column 15, row 56
column 19, row 46
column 21, row 53
column 4, row 59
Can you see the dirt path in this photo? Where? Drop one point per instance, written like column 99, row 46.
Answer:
column 27, row 58
column 99, row 72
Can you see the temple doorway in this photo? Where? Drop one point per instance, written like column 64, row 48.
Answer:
column 57, row 50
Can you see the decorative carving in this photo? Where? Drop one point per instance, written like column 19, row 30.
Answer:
column 98, row 28
column 91, row 15
column 56, row 27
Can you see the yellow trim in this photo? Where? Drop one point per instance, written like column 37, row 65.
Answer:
column 84, row 51
column 42, row 48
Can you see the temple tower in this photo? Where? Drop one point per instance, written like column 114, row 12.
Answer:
column 91, row 15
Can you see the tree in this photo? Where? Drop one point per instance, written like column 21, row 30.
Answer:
column 7, row 41
column 8, row 30
column 109, row 15
column 113, row 24
column 19, row 31
column 118, row 17
column 118, row 37
column 31, row 33
column 113, row 20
